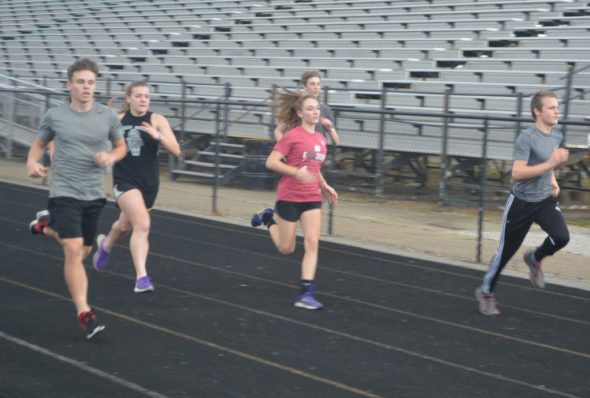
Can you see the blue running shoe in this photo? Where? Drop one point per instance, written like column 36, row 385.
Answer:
column 101, row 256
column 258, row 218
column 307, row 301
column 143, row 284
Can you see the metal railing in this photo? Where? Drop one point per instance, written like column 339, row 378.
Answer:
column 457, row 148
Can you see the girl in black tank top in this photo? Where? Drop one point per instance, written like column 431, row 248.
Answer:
column 136, row 181
column 140, row 167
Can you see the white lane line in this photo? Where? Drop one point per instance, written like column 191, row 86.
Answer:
column 83, row 366
column 373, row 343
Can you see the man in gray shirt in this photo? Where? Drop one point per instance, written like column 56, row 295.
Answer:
column 80, row 131
column 533, row 199
column 312, row 84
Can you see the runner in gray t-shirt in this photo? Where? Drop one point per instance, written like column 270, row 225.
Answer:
column 80, row 131
column 312, row 85
column 533, row 199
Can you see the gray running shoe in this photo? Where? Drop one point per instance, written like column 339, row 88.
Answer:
column 487, row 303
column 536, row 276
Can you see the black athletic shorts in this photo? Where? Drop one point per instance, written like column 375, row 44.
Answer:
column 73, row 218
column 291, row 211
column 149, row 197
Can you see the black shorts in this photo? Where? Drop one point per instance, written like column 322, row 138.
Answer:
column 73, row 218
column 291, row 211
column 149, row 196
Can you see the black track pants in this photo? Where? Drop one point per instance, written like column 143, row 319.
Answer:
column 518, row 217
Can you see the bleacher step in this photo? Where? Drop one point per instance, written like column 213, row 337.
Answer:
column 208, row 164
column 223, row 155
column 193, row 173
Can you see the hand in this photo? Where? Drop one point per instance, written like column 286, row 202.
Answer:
column 327, row 123
column 103, row 159
column 37, row 170
column 329, row 192
column 559, row 156
column 155, row 134
column 305, row 175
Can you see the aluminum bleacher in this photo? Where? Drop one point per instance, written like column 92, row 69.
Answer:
column 481, row 48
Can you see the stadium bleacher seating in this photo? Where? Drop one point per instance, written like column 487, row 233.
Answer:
column 482, row 48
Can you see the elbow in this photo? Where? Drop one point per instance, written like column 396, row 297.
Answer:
column 516, row 176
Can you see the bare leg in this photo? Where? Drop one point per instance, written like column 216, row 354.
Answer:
column 135, row 217
column 74, row 272
column 311, row 224
column 283, row 235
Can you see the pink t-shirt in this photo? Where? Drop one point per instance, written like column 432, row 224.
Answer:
column 301, row 148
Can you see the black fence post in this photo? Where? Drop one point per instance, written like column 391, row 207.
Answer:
column 380, row 151
column 566, row 100
column 332, row 168
column 482, row 187
column 442, row 200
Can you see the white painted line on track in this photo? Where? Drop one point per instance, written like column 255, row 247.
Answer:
column 83, row 366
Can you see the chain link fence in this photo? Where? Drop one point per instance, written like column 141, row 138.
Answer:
column 425, row 182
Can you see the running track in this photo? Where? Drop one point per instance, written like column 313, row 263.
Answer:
column 221, row 322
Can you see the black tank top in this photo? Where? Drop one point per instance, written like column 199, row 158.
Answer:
column 140, row 166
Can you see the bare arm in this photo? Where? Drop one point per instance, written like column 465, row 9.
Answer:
column 161, row 131
column 103, row 159
column 328, row 190
column 279, row 131
column 327, row 123
column 275, row 163
column 554, row 185
column 35, row 154
column 521, row 171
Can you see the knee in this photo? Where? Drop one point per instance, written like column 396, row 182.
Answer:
column 142, row 226
column 74, row 249
column 286, row 249
column 122, row 227
column 86, row 250
column 561, row 240
column 311, row 244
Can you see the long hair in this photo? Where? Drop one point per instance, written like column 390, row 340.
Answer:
column 286, row 104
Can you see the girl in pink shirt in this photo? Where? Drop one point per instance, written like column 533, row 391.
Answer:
column 299, row 156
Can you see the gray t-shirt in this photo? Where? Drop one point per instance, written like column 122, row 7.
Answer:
column 78, row 136
column 535, row 147
column 326, row 112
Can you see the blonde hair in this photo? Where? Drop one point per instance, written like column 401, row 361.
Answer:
column 128, row 92
column 286, row 104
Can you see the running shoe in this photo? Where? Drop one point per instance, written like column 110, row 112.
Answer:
column 307, row 300
column 90, row 324
column 100, row 260
column 536, row 275
column 258, row 218
column 487, row 303
column 143, row 284
column 41, row 221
